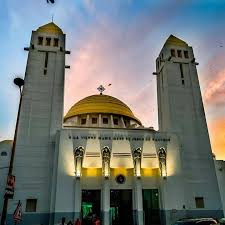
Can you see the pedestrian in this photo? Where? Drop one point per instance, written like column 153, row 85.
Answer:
column 96, row 220
column 63, row 220
column 77, row 222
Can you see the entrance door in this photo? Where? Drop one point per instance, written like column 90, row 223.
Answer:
column 121, row 207
column 151, row 207
column 90, row 207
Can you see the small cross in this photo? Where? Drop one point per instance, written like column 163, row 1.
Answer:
column 101, row 89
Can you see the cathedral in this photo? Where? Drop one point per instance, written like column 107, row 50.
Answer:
column 99, row 161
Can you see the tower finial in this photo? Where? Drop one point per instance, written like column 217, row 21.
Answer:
column 101, row 89
column 52, row 17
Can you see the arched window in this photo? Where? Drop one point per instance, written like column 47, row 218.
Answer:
column 4, row 153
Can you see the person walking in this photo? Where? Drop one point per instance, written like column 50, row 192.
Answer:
column 77, row 222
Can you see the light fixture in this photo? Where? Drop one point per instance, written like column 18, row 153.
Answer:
column 106, row 162
column 137, row 162
column 162, row 162
column 78, row 159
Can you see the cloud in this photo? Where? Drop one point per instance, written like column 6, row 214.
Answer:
column 101, row 59
column 113, row 51
column 217, row 136
column 215, row 90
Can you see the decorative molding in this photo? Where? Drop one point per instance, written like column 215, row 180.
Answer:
column 78, row 160
column 106, row 155
column 162, row 155
column 137, row 161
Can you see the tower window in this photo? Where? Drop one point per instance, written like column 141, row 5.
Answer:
column 94, row 120
column 173, row 54
column 56, row 42
column 181, row 70
column 105, row 120
column 199, row 202
column 48, row 41
column 31, row 205
column 179, row 53
column 46, row 59
column 182, row 82
column 40, row 40
column 186, row 54
column 115, row 121
column 4, row 153
column 83, row 121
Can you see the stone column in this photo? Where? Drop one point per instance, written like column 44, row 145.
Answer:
column 122, row 121
column 106, row 154
column 78, row 160
column 112, row 122
column 138, row 198
column 100, row 120
column 105, row 200
column 88, row 121
column 77, row 198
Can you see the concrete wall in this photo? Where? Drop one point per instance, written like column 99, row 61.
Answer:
column 40, row 118
column 68, row 189
column 220, row 173
column 181, row 111
column 5, row 147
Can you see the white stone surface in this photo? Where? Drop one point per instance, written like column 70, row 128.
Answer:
column 220, row 172
column 181, row 111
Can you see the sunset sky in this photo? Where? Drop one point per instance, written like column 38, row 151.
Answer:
column 117, row 42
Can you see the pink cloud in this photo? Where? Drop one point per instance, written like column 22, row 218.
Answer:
column 217, row 136
column 101, row 60
column 215, row 89
column 113, row 53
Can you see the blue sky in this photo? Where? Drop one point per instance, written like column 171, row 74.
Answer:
column 117, row 41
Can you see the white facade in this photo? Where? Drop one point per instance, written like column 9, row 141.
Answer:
column 220, row 172
column 159, row 176
column 181, row 111
column 5, row 153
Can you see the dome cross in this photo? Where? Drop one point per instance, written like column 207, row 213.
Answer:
column 101, row 89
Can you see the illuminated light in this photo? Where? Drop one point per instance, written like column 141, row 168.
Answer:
column 118, row 171
column 91, row 172
column 137, row 168
column 106, row 170
column 137, row 162
column 78, row 159
column 162, row 162
column 150, row 172
column 78, row 168
column 163, row 173
column 106, row 154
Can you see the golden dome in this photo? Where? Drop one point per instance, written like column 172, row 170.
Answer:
column 100, row 104
column 172, row 40
column 51, row 28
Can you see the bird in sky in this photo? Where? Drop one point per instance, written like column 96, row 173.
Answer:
column 51, row 1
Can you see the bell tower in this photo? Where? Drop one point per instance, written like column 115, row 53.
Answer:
column 181, row 111
column 40, row 118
